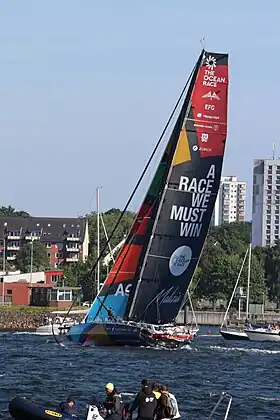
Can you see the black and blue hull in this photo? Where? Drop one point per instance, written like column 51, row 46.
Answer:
column 106, row 334
column 117, row 334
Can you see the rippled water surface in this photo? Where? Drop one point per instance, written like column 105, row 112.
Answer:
column 39, row 369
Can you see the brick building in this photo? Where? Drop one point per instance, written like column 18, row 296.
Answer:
column 66, row 240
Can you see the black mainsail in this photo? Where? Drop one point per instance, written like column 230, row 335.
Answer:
column 180, row 222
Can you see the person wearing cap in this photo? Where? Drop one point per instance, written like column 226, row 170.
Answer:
column 68, row 407
column 112, row 403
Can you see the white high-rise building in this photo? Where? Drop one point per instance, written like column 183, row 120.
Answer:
column 266, row 202
column 230, row 203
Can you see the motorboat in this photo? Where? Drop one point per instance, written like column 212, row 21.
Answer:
column 57, row 326
column 263, row 334
column 233, row 334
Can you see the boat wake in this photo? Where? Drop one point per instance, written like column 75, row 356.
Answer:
column 245, row 350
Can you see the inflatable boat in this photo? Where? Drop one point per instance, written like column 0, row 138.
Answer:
column 23, row 409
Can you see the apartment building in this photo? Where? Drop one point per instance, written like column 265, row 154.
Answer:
column 66, row 239
column 231, row 201
column 266, row 202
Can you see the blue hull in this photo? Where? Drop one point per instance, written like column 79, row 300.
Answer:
column 106, row 334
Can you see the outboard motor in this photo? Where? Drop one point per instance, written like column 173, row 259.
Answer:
column 93, row 413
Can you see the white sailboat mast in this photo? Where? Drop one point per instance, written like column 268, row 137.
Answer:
column 98, row 238
column 248, row 281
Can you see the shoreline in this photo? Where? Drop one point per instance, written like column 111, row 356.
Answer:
column 28, row 319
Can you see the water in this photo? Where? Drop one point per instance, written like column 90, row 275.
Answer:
column 37, row 368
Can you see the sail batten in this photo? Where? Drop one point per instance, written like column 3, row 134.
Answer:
column 188, row 197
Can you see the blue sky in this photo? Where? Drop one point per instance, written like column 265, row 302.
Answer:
column 87, row 86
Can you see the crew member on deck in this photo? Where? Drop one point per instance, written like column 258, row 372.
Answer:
column 112, row 403
column 68, row 407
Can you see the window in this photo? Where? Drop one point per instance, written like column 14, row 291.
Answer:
column 9, row 292
column 54, row 295
column 49, row 254
column 64, row 295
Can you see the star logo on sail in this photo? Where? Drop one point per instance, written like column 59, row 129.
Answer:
column 211, row 62
column 211, row 95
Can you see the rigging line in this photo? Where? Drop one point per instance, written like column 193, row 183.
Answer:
column 136, row 186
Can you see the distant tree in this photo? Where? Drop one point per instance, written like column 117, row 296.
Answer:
column 11, row 211
column 272, row 269
column 69, row 277
column 40, row 258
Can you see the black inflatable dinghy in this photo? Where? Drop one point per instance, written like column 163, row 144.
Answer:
column 23, row 409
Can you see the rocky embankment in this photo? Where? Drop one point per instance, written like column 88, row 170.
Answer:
column 27, row 319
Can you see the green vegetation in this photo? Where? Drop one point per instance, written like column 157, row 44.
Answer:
column 10, row 211
column 221, row 261
column 40, row 258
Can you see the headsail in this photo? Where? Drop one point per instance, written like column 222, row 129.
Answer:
column 186, row 205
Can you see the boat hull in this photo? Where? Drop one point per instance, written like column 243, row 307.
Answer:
column 22, row 409
column 255, row 335
column 121, row 334
column 234, row 335
column 49, row 330
column 107, row 334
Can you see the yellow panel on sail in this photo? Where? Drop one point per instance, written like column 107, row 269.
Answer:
column 182, row 153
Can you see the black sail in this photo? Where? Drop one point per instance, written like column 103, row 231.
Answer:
column 187, row 202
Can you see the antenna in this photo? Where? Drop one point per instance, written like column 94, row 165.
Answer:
column 203, row 43
column 273, row 150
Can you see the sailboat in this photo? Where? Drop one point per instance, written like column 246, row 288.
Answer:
column 148, row 283
column 234, row 333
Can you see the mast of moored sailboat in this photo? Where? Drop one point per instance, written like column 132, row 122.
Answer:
column 248, row 280
column 98, row 238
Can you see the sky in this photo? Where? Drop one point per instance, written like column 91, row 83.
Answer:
column 86, row 88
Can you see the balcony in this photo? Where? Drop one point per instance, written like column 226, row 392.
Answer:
column 30, row 237
column 11, row 257
column 72, row 259
column 13, row 237
column 72, row 248
column 13, row 247
column 73, row 238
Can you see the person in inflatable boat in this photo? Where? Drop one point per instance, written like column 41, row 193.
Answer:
column 68, row 407
column 112, row 403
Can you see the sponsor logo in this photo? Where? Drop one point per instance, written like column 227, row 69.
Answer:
column 211, row 95
column 209, row 107
column 211, row 62
column 195, row 148
column 209, row 117
column 204, row 137
column 180, row 260
column 215, row 127
column 202, row 126
column 53, row 413
column 205, row 149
